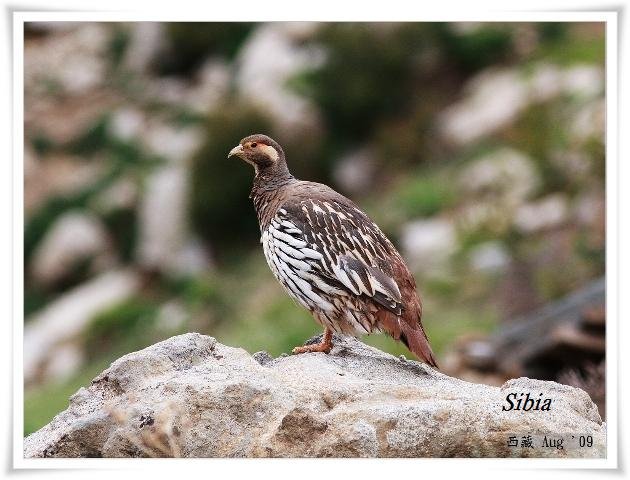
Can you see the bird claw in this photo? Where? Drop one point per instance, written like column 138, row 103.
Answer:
column 318, row 347
column 324, row 346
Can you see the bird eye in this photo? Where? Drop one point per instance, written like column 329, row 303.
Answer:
column 254, row 145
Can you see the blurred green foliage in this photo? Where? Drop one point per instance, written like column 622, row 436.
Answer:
column 220, row 209
column 192, row 42
column 368, row 75
column 425, row 196
column 132, row 319
column 475, row 48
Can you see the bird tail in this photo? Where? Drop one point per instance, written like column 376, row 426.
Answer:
column 415, row 339
column 412, row 335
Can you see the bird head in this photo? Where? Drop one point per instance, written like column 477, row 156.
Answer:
column 261, row 151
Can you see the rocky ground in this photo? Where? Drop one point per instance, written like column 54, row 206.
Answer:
column 191, row 396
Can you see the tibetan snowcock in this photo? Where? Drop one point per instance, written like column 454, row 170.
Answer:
column 330, row 257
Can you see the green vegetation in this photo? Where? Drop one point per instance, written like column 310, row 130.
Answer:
column 190, row 43
column 43, row 403
column 425, row 196
column 217, row 202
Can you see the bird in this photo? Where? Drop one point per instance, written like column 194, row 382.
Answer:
column 330, row 257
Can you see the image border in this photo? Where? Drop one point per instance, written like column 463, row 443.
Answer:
column 612, row 228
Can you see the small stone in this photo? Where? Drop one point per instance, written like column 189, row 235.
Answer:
column 74, row 237
column 428, row 242
column 262, row 357
column 505, row 174
column 583, row 80
column 127, row 123
column 354, row 172
column 489, row 257
column 494, row 99
column 547, row 213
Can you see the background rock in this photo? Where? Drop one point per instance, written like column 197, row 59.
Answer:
column 63, row 320
column 194, row 397
column 76, row 236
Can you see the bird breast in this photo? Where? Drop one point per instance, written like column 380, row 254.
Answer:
column 290, row 259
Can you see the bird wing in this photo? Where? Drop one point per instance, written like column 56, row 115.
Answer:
column 343, row 248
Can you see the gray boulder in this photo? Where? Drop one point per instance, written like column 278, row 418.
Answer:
column 191, row 396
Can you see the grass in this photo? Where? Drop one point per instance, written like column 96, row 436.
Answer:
column 276, row 326
column 424, row 196
column 41, row 404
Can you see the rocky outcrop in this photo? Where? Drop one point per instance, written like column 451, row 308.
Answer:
column 191, row 396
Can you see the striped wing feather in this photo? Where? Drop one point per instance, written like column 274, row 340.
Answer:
column 354, row 254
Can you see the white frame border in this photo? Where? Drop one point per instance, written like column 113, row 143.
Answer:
column 612, row 227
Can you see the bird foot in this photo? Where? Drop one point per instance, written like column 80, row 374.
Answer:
column 324, row 346
column 318, row 347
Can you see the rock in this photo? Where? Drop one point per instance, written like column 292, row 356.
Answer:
column 485, row 216
column 494, row 98
column 191, row 396
column 428, row 242
column 354, row 172
column 65, row 318
column 162, row 217
column 490, row 257
column 589, row 208
column 75, row 237
column 547, row 213
column 73, row 59
column 529, row 344
column 575, row 165
column 146, row 42
column 272, row 55
column 584, row 81
column 193, row 258
column 201, row 94
column 495, row 185
column 57, row 175
column 506, row 175
column 165, row 243
column 589, row 122
column 262, row 357
column 121, row 194
column 545, row 82
column 212, row 85
column 174, row 144
column 127, row 123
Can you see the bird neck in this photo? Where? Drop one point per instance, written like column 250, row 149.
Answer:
column 270, row 179
column 268, row 192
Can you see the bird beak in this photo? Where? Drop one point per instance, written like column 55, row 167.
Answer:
column 238, row 150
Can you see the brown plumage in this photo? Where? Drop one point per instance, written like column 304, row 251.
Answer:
column 330, row 257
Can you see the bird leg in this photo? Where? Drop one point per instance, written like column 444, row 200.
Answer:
column 324, row 346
